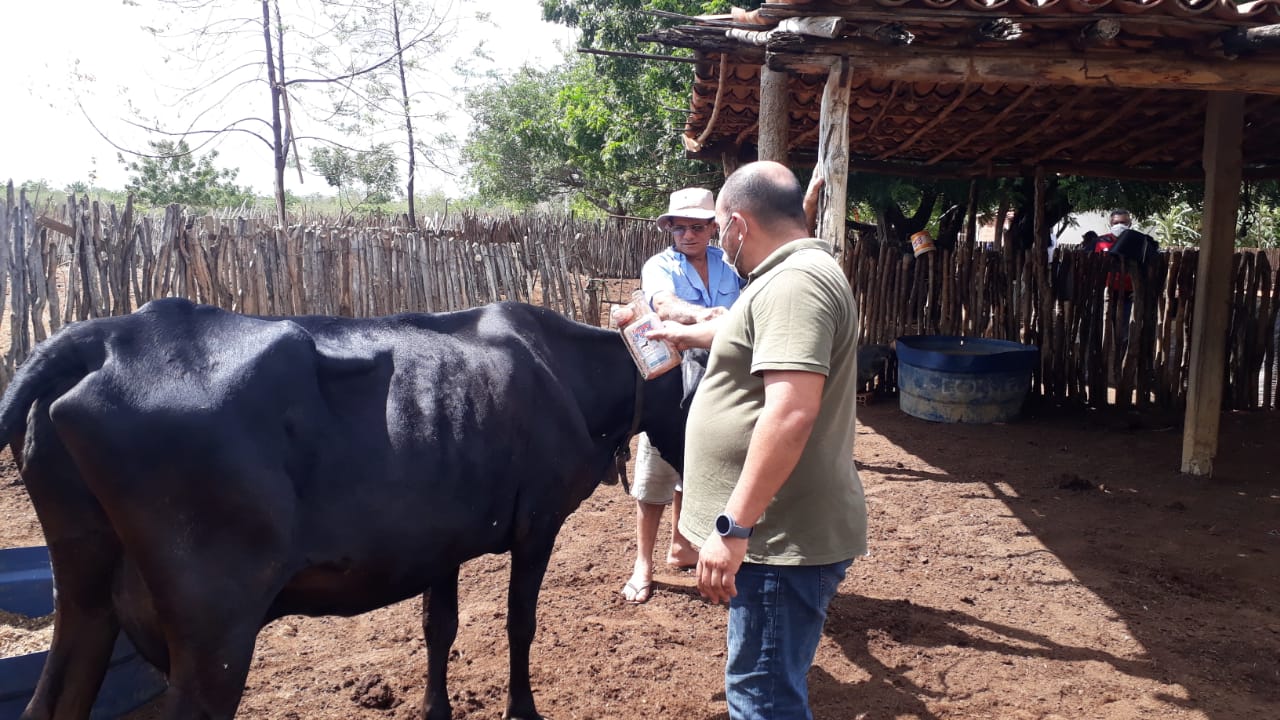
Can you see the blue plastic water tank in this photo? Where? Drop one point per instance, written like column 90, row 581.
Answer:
column 26, row 588
column 948, row 378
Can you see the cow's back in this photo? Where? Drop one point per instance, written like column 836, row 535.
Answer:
column 357, row 457
column 474, row 431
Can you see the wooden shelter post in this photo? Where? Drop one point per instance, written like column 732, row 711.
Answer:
column 1041, row 242
column 1223, row 159
column 833, row 155
column 774, row 116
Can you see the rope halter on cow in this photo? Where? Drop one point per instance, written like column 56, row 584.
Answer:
column 623, row 454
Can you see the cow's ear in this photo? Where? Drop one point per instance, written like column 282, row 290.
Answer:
column 693, row 365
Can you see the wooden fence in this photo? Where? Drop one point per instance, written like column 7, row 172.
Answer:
column 1065, row 308
column 82, row 260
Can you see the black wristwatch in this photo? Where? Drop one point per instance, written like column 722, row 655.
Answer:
column 728, row 527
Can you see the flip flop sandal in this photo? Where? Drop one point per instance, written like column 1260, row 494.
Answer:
column 637, row 594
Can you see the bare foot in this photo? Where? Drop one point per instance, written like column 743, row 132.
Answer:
column 683, row 557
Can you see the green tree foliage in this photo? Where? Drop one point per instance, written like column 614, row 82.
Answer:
column 565, row 132
column 171, row 173
column 1143, row 199
column 605, row 130
column 363, row 179
column 1179, row 220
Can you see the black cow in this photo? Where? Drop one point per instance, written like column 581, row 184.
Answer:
column 199, row 473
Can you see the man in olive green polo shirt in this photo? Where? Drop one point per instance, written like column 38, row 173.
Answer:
column 771, row 494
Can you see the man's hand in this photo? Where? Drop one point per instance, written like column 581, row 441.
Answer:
column 811, row 197
column 710, row 313
column 685, row 337
column 621, row 315
column 670, row 307
column 718, row 564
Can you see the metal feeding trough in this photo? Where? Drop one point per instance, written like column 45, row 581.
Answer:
column 26, row 588
column 947, row 378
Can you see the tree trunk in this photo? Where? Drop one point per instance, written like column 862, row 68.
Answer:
column 276, row 81
column 408, row 116
column 904, row 227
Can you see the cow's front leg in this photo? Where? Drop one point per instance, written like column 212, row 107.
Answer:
column 207, row 670
column 528, row 566
column 440, row 628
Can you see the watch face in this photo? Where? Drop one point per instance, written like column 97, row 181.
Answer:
column 723, row 524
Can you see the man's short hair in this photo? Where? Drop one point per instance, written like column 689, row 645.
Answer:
column 765, row 195
column 1121, row 211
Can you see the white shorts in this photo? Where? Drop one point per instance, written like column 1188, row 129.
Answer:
column 656, row 481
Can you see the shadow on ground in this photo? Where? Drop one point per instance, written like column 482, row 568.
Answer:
column 1073, row 509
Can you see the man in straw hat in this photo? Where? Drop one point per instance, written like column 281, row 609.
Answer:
column 688, row 282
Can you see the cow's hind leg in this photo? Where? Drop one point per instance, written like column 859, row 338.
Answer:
column 528, row 566
column 84, row 631
column 440, row 627
column 85, row 553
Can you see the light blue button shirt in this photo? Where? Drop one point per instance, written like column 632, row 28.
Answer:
column 672, row 272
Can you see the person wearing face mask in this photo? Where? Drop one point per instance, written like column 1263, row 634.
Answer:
column 772, row 497
column 1121, row 221
column 688, row 282
column 1119, row 283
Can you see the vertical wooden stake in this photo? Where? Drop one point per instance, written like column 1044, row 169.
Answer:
column 833, row 155
column 1223, row 131
column 774, row 115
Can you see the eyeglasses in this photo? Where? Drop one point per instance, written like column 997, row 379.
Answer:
column 696, row 228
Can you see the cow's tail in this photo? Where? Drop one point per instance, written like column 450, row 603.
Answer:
column 55, row 365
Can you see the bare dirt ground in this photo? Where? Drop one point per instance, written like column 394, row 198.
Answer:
column 1058, row 567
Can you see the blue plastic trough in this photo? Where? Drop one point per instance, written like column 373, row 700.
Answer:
column 952, row 379
column 26, row 588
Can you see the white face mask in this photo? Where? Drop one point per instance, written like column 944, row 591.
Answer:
column 1118, row 228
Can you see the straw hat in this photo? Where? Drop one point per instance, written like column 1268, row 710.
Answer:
column 690, row 203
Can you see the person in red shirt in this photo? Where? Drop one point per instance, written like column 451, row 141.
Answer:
column 1121, row 220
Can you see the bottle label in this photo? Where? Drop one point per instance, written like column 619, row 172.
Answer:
column 653, row 353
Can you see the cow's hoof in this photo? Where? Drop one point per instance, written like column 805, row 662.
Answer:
column 438, row 712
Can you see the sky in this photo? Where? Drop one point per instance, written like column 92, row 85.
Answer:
column 95, row 55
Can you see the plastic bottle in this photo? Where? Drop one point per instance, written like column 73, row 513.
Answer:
column 652, row 356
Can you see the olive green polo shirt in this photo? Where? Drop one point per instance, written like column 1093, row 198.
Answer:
column 796, row 313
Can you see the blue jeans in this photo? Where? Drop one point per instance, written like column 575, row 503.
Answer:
column 775, row 623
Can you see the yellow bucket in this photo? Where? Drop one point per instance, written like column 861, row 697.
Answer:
column 922, row 243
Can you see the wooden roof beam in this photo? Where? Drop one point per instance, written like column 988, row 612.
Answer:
column 1196, row 109
column 1153, row 70
column 969, row 169
column 1099, row 32
column 1127, row 109
column 884, row 108
column 864, row 12
column 1188, row 144
column 1038, row 128
column 994, row 124
column 924, row 130
column 998, row 30
column 1246, row 40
